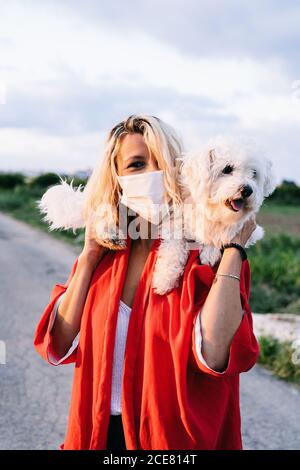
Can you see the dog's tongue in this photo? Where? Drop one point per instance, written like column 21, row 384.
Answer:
column 237, row 204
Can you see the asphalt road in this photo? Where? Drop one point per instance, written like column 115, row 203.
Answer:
column 35, row 396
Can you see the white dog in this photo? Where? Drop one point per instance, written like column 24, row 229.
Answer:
column 223, row 185
column 225, row 182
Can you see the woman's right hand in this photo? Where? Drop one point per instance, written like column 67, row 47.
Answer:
column 92, row 252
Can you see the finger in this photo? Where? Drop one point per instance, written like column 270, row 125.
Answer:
column 252, row 222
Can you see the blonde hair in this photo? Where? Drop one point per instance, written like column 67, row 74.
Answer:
column 103, row 190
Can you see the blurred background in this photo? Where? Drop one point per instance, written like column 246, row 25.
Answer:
column 69, row 71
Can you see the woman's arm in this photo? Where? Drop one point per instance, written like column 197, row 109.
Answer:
column 67, row 321
column 222, row 312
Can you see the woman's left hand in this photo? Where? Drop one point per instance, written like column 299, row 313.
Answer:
column 245, row 233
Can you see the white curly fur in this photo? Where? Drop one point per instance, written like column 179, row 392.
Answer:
column 62, row 205
column 168, row 269
column 211, row 222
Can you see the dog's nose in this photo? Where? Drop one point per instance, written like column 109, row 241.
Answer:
column 246, row 191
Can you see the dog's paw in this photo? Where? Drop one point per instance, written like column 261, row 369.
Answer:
column 256, row 235
column 209, row 255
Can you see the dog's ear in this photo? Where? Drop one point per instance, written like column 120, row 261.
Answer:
column 193, row 173
column 186, row 172
column 186, row 167
column 269, row 184
column 211, row 157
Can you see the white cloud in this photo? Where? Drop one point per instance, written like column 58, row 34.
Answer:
column 31, row 150
column 46, row 46
column 47, row 51
column 2, row 92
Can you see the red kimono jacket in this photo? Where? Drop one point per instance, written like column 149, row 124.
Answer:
column 170, row 399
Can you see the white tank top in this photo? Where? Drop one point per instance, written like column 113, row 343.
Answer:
column 118, row 361
column 119, row 350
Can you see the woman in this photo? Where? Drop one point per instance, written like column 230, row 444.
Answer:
column 146, row 375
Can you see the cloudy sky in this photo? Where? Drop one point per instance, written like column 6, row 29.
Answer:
column 71, row 69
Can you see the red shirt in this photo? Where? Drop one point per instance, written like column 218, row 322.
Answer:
column 170, row 399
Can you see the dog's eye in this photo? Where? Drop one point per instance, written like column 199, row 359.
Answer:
column 254, row 173
column 228, row 169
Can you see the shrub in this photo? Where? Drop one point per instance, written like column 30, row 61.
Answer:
column 288, row 192
column 11, row 180
column 278, row 357
column 275, row 273
column 44, row 181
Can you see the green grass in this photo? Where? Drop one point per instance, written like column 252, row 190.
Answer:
column 21, row 204
column 278, row 209
column 280, row 358
column 275, row 274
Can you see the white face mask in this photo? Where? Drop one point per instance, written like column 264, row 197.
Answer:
column 144, row 193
